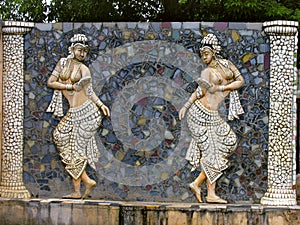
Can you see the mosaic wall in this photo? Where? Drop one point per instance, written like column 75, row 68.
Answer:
column 145, row 72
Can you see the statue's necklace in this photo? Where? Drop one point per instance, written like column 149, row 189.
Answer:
column 214, row 66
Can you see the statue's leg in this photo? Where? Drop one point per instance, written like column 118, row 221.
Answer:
column 200, row 179
column 76, row 194
column 211, row 194
column 195, row 185
column 89, row 184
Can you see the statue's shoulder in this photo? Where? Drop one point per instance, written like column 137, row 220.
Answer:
column 84, row 66
column 206, row 70
column 85, row 71
column 62, row 62
column 205, row 73
column 225, row 62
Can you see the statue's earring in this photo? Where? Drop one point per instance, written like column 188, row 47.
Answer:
column 214, row 55
column 72, row 53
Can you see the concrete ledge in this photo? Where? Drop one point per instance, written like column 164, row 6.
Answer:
column 89, row 212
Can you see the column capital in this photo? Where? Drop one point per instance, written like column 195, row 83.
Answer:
column 281, row 27
column 16, row 27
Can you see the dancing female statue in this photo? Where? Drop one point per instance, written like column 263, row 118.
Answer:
column 212, row 138
column 74, row 135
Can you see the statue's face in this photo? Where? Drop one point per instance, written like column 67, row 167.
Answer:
column 207, row 55
column 80, row 52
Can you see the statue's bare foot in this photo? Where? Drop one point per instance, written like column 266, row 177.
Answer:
column 89, row 187
column 196, row 190
column 215, row 199
column 74, row 195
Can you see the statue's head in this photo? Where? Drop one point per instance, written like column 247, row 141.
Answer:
column 78, row 40
column 211, row 42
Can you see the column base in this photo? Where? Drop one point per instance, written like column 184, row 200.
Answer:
column 14, row 192
column 279, row 197
column 277, row 201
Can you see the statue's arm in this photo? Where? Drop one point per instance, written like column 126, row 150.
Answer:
column 238, row 80
column 234, row 85
column 86, row 74
column 203, row 86
column 53, row 81
column 55, row 84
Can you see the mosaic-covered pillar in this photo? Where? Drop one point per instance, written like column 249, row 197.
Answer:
column 282, row 118
column 12, row 185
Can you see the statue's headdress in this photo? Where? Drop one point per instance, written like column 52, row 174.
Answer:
column 212, row 42
column 79, row 39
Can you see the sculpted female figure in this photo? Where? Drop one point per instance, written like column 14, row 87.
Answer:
column 212, row 138
column 74, row 135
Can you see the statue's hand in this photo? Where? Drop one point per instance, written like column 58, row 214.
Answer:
column 77, row 87
column 182, row 112
column 203, row 83
column 213, row 89
column 105, row 110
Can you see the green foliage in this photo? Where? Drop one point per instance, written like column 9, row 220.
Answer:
column 279, row 11
column 78, row 10
column 23, row 10
column 103, row 10
column 136, row 10
column 296, row 15
column 239, row 10
column 149, row 10
column 201, row 10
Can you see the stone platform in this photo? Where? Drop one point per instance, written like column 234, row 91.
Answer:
column 100, row 212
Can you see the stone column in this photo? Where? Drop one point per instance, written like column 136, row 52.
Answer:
column 282, row 118
column 12, row 185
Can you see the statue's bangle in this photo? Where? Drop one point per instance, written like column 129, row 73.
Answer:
column 199, row 92
column 187, row 104
column 69, row 87
column 221, row 88
column 236, row 73
column 99, row 103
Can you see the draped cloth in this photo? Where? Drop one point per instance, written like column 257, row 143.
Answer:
column 74, row 137
column 56, row 104
column 212, row 141
column 235, row 107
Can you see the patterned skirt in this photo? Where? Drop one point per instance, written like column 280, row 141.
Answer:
column 212, row 141
column 74, row 137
